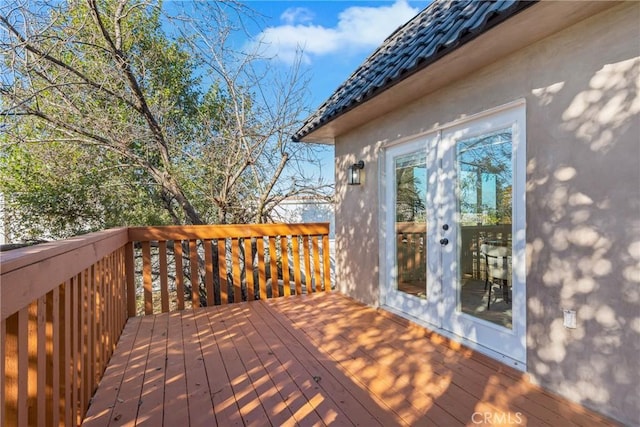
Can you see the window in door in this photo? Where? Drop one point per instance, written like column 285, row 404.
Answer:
column 410, row 223
column 484, row 199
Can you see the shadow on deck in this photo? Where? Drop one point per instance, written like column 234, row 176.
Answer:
column 310, row 360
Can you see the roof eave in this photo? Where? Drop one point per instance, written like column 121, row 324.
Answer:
column 469, row 54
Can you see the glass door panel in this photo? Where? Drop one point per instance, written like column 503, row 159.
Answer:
column 409, row 253
column 411, row 224
column 484, row 208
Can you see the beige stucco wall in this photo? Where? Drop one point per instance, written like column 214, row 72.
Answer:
column 581, row 87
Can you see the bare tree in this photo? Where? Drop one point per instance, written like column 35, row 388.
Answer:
column 202, row 126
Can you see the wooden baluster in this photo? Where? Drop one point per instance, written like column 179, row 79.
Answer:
column 316, row 262
column 273, row 270
column 326, row 262
column 112, row 313
column 87, row 370
column 222, row 271
column 107, row 327
column 306, row 255
column 3, row 362
column 32, row 339
column 164, row 276
column 146, row 277
column 248, row 269
column 66, row 365
column 40, row 359
column 284, row 254
column 101, row 320
column 98, row 353
column 131, row 279
column 208, row 272
column 10, row 378
column 52, row 351
column 195, row 274
column 262, row 268
column 23, row 367
column 177, row 250
column 296, row 263
column 235, row 268
column 89, row 373
column 76, row 352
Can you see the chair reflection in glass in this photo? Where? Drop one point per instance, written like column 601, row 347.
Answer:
column 497, row 270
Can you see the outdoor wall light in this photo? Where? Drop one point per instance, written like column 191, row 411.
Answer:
column 354, row 173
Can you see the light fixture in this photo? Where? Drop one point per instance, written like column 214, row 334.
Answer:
column 354, row 173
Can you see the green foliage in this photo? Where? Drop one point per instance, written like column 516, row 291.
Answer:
column 56, row 190
column 109, row 119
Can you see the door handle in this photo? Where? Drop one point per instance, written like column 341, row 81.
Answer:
column 444, row 241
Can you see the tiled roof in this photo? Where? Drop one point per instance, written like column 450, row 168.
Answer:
column 439, row 29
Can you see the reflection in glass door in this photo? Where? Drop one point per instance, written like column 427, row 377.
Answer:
column 411, row 224
column 484, row 211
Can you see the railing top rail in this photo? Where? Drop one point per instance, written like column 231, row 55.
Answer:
column 19, row 258
column 29, row 273
column 411, row 227
column 225, row 231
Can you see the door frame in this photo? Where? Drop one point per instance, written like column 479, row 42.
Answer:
column 438, row 316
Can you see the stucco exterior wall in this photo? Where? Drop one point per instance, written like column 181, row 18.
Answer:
column 581, row 87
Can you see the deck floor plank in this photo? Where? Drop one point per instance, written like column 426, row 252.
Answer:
column 198, row 395
column 282, row 353
column 381, row 376
column 357, row 404
column 469, row 380
column 489, row 383
column 176, row 408
column 309, row 360
column 150, row 412
column 333, row 401
column 99, row 413
column 303, row 412
column 222, row 397
column 272, row 401
column 125, row 410
column 253, row 414
column 491, row 389
column 423, row 365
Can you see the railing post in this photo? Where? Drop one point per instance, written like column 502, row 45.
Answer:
column 131, row 284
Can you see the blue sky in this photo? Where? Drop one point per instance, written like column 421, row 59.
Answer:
column 335, row 36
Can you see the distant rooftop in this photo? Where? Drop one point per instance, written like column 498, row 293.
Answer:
column 439, row 29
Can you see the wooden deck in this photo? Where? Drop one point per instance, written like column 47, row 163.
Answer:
column 310, row 360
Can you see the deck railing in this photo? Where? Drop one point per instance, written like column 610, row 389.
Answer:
column 63, row 305
column 183, row 267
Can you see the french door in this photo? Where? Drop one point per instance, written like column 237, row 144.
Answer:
column 454, row 235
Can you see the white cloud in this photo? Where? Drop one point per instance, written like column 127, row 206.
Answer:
column 296, row 15
column 357, row 28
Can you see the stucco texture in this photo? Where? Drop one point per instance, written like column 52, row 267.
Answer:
column 581, row 87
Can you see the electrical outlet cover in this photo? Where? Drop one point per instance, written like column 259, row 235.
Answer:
column 570, row 319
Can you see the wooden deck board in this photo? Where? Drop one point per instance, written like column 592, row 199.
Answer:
column 152, row 394
column 175, row 410
column 309, row 360
column 303, row 412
